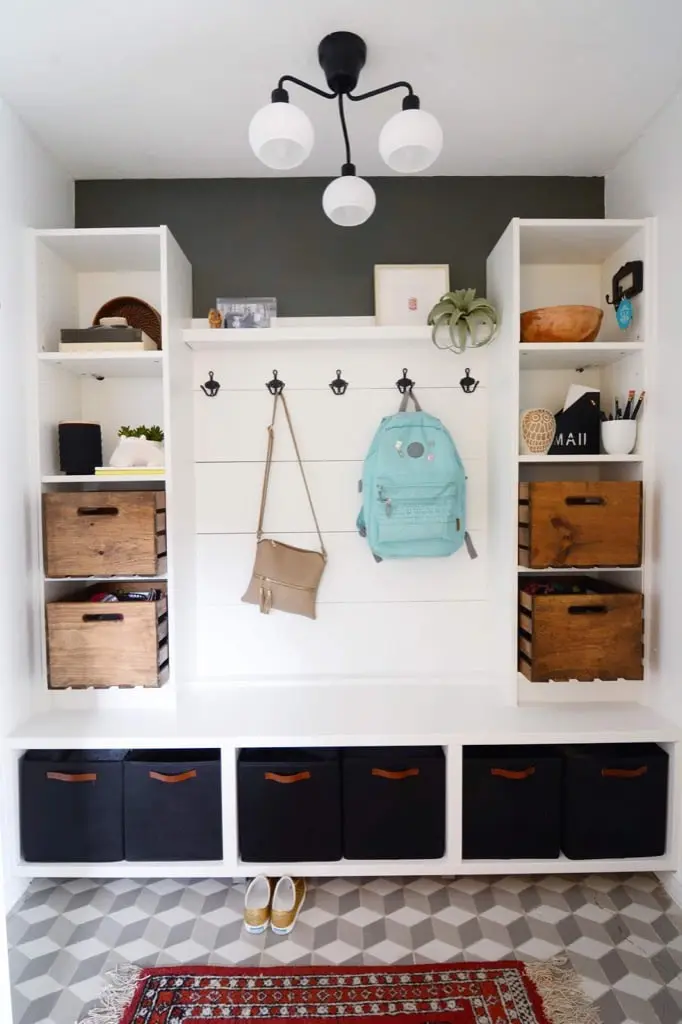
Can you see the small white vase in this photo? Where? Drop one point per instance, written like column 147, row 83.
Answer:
column 137, row 451
column 619, row 436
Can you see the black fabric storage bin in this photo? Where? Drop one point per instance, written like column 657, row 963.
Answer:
column 289, row 804
column 511, row 802
column 615, row 800
column 173, row 806
column 393, row 803
column 71, row 805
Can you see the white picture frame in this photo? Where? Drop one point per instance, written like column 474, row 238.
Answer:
column 405, row 293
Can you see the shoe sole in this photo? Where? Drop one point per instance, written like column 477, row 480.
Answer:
column 255, row 929
column 289, row 928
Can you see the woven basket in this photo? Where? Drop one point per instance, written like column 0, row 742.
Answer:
column 137, row 312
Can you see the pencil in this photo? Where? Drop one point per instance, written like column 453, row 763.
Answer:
column 618, row 412
column 628, row 404
column 638, row 406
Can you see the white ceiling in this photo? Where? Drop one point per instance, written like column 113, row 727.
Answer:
column 166, row 88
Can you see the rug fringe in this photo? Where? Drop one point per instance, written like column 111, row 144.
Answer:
column 559, row 987
column 116, row 997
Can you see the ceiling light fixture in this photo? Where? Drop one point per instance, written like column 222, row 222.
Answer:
column 281, row 134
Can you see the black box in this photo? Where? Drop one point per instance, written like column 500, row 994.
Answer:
column 173, row 805
column 393, row 803
column 71, row 805
column 615, row 800
column 289, row 804
column 511, row 803
column 578, row 428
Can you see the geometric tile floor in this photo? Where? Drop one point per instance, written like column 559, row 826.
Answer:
column 620, row 932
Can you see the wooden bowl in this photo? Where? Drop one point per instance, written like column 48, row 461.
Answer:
column 561, row 323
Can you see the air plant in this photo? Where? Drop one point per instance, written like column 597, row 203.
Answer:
column 462, row 321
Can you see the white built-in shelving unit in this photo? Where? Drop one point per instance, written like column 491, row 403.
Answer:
column 222, row 691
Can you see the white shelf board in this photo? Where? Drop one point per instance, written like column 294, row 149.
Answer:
column 321, row 714
column 574, row 240
column 126, row 478
column 580, row 458
column 106, row 579
column 341, row 868
column 99, row 250
column 205, row 339
column 106, row 364
column 580, row 569
column 547, row 355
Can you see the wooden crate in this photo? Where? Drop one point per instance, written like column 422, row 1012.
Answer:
column 587, row 636
column 580, row 523
column 107, row 644
column 104, row 533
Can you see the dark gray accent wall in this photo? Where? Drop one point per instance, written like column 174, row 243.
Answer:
column 269, row 236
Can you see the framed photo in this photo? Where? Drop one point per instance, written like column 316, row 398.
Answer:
column 404, row 293
column 250, row 312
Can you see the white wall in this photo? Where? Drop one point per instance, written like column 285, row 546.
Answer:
column 34, row 192
column 647, row 182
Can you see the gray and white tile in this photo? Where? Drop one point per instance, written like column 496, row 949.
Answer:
column 620, row 932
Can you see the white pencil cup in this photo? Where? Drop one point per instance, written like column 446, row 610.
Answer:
column 619, row 436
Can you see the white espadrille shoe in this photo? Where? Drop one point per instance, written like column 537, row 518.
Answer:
column 258, row 905
column 286, row 904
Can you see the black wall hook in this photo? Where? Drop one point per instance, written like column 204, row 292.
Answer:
column 339, row 386
column 211, row 387
column 627, row 282
column 467, row 383
column 275, row 386
column 404, row 384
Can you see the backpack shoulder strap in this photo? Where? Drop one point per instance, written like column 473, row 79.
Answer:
column 406, row 396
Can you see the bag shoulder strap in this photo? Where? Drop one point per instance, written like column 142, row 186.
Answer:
column 403, row 404
column 268, row 468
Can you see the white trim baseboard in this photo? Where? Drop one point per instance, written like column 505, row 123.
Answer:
column 672, row 883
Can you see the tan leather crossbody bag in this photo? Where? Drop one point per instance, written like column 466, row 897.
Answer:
column 284, row 577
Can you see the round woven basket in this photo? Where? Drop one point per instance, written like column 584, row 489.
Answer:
column 137, row 312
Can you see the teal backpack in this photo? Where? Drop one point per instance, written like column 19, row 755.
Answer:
column 413, row 489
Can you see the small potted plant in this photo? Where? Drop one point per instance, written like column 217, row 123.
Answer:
column 462, row 321
column 138, row 446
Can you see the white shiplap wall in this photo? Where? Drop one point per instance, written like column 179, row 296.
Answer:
column 423, row 617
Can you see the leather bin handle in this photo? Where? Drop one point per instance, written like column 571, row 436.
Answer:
column 382, row 773
column 624, row 773
column 97, row 510
column 71, row 777
column 507, row 773
column 183, row 777
column 585, row 499
column 287, row 779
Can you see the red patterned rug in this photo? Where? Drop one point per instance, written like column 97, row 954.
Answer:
column 467, row 993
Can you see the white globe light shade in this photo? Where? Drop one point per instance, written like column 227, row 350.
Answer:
column 281, row 135
column 349, row 201
column 410, row 141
